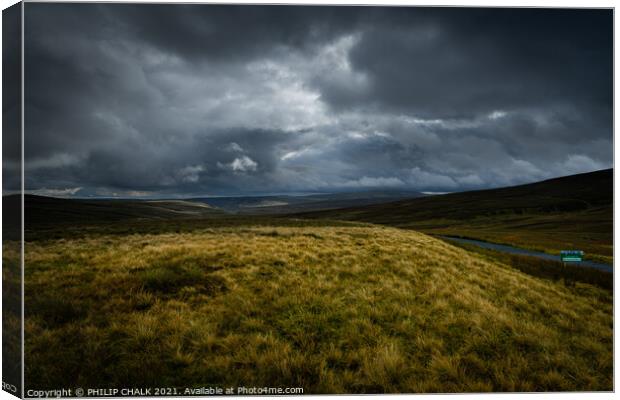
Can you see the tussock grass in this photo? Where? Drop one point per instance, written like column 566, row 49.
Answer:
column 11, row 311
column 338, row 309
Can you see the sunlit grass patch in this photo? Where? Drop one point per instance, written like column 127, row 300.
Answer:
column 330, row 309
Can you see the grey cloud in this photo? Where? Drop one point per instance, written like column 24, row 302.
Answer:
column 454, row 62
column 175, row 100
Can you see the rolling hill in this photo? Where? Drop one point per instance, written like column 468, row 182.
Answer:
column 573, row 212
column 331, row 309
column 181, row 293
column 569, row 212
column 41, row 210
column 49, row 210
column 284, row 204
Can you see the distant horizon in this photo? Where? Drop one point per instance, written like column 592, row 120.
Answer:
column 291, row 194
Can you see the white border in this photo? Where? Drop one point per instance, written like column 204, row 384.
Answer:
column 479, row 3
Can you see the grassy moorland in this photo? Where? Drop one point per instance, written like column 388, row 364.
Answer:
column 548, row 269
column 11, row 314
column 11, row 296
column 329, row 307
column 573, row 212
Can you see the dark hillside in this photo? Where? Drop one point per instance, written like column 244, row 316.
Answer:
column 49, row 210
column 571, row 211
column 286, row 204
column 571, row 193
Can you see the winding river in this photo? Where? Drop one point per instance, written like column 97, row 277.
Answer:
column 516, row 250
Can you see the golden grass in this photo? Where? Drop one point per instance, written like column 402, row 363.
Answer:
column 11, row 314
column 329, row 309
column 590, row 231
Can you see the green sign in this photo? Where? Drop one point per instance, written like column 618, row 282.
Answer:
column 571, row 255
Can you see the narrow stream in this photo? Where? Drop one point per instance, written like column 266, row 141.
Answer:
column 516, row 250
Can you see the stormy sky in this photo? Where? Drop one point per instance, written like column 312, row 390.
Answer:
column 187, row 100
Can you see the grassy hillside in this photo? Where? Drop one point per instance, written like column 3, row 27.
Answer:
column 331, row 309
column 569, row 212
column 40, row 210
column 288, row 204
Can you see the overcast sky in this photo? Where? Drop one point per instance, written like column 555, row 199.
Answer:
column 186, row 100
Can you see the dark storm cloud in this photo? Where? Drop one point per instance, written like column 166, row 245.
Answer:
column 450, row 62
column 189, row 100
column 231, row 32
